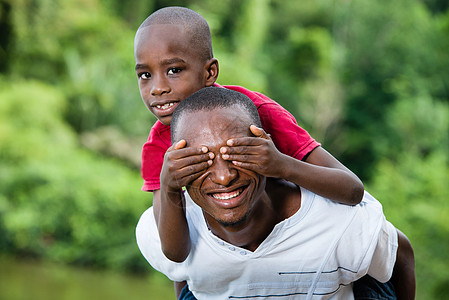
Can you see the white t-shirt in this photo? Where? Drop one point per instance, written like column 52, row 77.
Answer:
column 318, row 252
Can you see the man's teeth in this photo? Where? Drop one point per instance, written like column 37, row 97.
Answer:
column 165, row 106
column 226, row 196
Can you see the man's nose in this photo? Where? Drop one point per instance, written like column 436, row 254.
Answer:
column 222, row 172
column 159, row 86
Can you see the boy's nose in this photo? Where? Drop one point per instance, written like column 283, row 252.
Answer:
column 222, row 172
column 159, row 87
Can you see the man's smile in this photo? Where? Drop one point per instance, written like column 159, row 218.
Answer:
column 229, row 199
column 227, row 196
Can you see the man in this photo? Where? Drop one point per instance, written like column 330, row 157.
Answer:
column 250, row 237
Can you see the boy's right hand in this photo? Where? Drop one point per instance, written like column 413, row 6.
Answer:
column 183, row 164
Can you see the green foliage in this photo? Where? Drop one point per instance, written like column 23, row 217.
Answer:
column 60, row 201
column 411, row 182
column 72, row 46
column 414, row 194
column 382, row 51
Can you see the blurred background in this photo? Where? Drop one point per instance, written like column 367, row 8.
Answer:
column 368, row 79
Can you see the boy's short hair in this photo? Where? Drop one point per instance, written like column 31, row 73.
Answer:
column 210, row 98
column 192, row 22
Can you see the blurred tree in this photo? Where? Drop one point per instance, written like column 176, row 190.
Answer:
column 412, row 181
column 381, row 49
column 414, row 193
column 57, row 200
column 5, row 35
column 70, row 45
column 437, row 6
column 132, row 12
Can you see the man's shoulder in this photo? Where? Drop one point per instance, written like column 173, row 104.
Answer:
column 194, row 213
column 146, row 221
column 145, row 231
column 372, row 204
column 368, row 212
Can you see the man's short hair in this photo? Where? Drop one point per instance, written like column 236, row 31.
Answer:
column 210, row 98
column 196, row 26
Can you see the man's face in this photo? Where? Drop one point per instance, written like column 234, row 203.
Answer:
column 225, row 192
column 168, row 68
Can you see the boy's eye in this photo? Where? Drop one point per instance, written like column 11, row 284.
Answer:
column 172, row 71
column 145, row 75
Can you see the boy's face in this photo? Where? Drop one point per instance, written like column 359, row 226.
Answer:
column 168, row 68
column 226, row 193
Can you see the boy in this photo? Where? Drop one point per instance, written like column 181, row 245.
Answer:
column 174, row 58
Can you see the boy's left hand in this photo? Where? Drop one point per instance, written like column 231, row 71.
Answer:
column 258, row 153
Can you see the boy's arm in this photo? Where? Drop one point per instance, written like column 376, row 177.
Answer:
column 179, row 285
column 181, row 166
column 321, row 173
column 331, row 179
column 403, row 277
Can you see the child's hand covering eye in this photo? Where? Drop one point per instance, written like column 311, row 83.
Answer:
column 184, row 164
column 258, row 153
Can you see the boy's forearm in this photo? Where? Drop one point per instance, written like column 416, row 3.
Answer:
column 172, row 224
column 403, row 277
column 325, row 176
column 179, row 285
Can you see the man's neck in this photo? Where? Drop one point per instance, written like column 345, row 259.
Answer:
column 279, row 201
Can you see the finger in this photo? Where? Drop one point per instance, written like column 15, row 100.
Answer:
column 259, row 132
column 243, row 153
column 245, row 141
column 184, row 161
column 185, row 181
column 253, row 159
column 247, row 149
column 249, row 166
column 189, row 173
column 181, row 144
column 185, row 152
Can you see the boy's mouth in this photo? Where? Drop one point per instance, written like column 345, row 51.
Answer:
column 165, row 109
column 165, row 106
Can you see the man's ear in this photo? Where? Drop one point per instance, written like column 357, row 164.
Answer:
column 212, row 71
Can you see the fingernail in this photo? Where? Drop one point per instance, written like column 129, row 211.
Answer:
column 222, row 150
column 229, row 142
column 209, row 162
column 225, row 156
column 211, row 155
column 204, row 149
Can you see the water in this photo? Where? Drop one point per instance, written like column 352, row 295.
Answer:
column 30, row 280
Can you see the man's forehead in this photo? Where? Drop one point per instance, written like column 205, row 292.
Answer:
column 214, row 127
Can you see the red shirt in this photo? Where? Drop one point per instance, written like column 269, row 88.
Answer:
column 286, row 134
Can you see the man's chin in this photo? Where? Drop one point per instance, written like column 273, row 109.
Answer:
column 233, row 223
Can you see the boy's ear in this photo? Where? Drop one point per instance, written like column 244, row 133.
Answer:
column 212, row 71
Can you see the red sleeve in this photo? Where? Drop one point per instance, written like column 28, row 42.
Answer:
column 287, row 135
column 153, row 152
column 285, row 132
